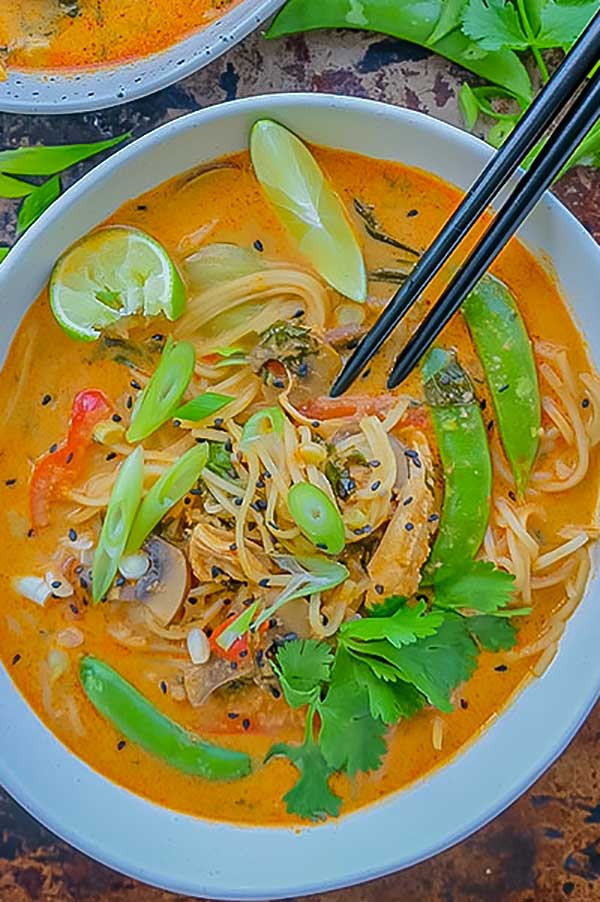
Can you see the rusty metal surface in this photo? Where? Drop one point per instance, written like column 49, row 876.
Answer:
column 546, row 848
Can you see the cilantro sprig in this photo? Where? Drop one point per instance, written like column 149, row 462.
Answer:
column 385, row 667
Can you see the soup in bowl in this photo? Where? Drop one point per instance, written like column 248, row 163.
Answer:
column 237, row 600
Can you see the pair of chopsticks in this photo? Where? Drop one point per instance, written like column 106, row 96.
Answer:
column 582, row 114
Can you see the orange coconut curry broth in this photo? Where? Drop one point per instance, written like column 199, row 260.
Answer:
column 51, row 34
column 249, row 711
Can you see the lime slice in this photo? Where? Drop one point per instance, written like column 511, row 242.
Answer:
column 114, row 272
column 309, row 207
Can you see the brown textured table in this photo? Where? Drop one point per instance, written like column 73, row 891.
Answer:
column 546, row 848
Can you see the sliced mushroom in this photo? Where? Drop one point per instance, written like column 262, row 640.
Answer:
column 200, row 680
column 165, row 584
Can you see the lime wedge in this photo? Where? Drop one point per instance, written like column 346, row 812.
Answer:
column 309, row 207
column 114, row 272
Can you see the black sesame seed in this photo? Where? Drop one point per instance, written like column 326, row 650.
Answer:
column 322, row 546
column 261, row 504
column 512, row 496
column 503, row 388
column 433, row 518
column 219, row 422
column 16, row 658
column 83, row 582
column 136, row 385
column 46, row 400
column 195, row 491
column 302, row 370
column 121, row 745
column 120, row 581
column 585, row 403
column 74, row 608
column 264, row 583
column 501, row 668
column 290, row 637
column 464, row 704
column 490, row 426
column 409, row 527
column 208, row 631
column 414, row 457
column 353, row 343
column 252, row 527
column 10, row 482
column 275, row 692
column 244, row 653
column 53, row 448
column 375, row 485
column 259, row 657
column 233, row 665
column 238, row 501
column 30, row 533
column 163, row 687
column 215, row 571
column 157, row 336
column 483, row 404
column 298, row 314
column 272, row 623
column 192, row 600
column 408, row 501
column 379, row 589
column 258, row 245
column 259, row 484
column 246, row 723
column 72, row 535
column 278, row 383
column 226, row 602
column 232, row 715
column 142, row 207
column 129, row 402
column 116, row 418
column 412, row 213
column 176, row 423
column 228, row 445
column 56, row 584
column 69, row 457
column 187, row 500
column 233, row 547
column 111, row 455
column 366, row 373
column 374, row 464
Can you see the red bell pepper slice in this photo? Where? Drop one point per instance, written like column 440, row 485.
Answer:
column 237, row 650
column 58, row 470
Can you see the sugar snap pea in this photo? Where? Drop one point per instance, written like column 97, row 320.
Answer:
column 140, row 722
column 462, row 441
column 410, row 20
column 505, row 350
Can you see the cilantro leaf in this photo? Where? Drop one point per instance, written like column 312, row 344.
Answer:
column 302, row 666
column 562, row 23
column 494, row 25
column 492, row 633
column 403, row 628
column 219, row 460
column 388, row 607
column 388, row 701
column 479, row 586
column 351, row 739
column 435, row 665
column 311, row 797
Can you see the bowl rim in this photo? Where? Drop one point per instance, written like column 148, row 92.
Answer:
column 328, row 846
column 84, row 90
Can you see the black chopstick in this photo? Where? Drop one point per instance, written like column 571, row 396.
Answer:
column 557, row 151
column 540, row 115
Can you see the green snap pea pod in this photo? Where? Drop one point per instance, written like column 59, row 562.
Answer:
column 138, row 720
column 410, row 20
column 505, row 351
column 462, row 441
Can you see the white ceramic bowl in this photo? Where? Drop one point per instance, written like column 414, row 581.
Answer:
column 200, row 858
column 93, row 89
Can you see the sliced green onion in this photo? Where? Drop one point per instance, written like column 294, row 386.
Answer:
column 263, row 422
column 120, row 515
column 309, row 575
column 236, row 629
column 232, row 356
column 202, row 406
column 317, row 516
column 166, row 492
column 230, row 351
column 161, row 397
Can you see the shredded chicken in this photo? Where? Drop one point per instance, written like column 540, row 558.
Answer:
column 395, row 567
